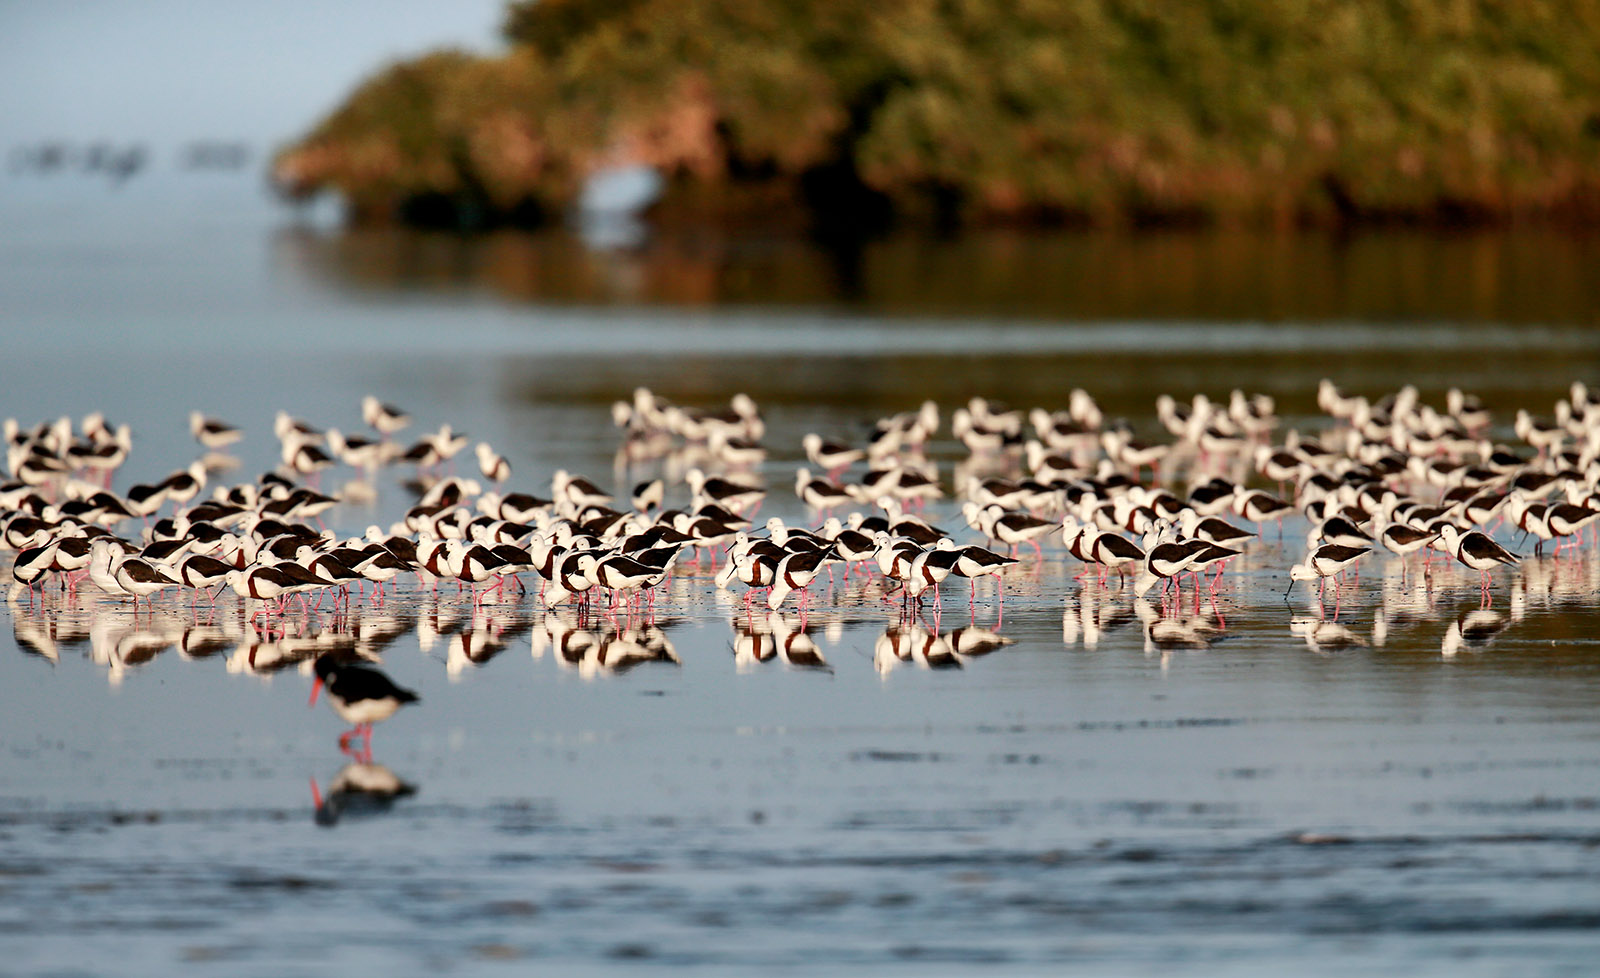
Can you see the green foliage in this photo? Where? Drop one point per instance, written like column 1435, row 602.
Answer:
column 1101, row 110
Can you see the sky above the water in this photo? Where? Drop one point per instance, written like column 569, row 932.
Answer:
column 164, row 75
column 171, row 70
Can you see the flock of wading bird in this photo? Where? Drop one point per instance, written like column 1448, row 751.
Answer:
column 1394, row 473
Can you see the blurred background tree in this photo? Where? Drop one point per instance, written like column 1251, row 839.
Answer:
column 839, row 114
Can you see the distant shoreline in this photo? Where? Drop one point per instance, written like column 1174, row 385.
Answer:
column 848, row 119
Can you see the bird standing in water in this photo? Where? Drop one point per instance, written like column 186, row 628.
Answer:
column 361, row 695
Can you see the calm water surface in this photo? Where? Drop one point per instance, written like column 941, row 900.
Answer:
column 1122, row 789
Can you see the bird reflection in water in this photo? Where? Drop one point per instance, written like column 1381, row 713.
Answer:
column 202, row 641
column 1168, row 630
column 915, row 643
column 263, row 652
column 975, row 641
column 1405, row 601
column 1323, row 636
column 297, row 640
column 1408, row 607
column 592, row 644
column 1094, row 613
column 124, row 641
column 40, row 638
column 600, row 645
column 133, row 647
column 759, row 638
column 1551, row 583
column 1473, row 631
column 472, row 640
column 360, row 789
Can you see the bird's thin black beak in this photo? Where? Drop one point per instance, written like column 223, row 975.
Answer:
column 1288, row 589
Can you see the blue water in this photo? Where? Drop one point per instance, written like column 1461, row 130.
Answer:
column 1092, row 798
column 1248, row 789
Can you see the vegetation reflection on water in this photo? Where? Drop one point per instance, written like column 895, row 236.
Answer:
column 881, row 323
column 1528, row 276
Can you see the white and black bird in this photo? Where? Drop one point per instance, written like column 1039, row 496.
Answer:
column 1402, row 539
column 647, row 496
column 929, row 569
column 819, row 494
column 361, row 695
column 1324, row 562
column 202, row 572
column 1474, row 549
column 1213, row 529
column 1009, row 528
column 975, row 562
column 795, row 573
column 381, row 417
column 492, row 464
column 211, row 433
column 33, row 564
column 724, row 492
column 1110, row 550
column 576, row 490
column 142, row 578
column 261, row 583
column 1260, row 507
column 1165, row 561
column 832, row 456
column 1338, row 530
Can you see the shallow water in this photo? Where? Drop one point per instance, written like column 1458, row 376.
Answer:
column 1126, row 788
column 1129, row 786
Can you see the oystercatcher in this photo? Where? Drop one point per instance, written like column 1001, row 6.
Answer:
column 361, row 695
